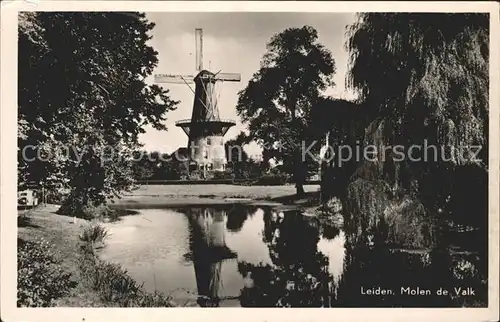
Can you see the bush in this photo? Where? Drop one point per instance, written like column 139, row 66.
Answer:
column 40, row 279
column 223, row 175
column 273, row 179
column 94, row 233
column 74, row 207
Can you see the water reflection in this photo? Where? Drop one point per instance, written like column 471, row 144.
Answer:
column 208, row 249
column 298, row 275
column 235, row 255
column 413, row 278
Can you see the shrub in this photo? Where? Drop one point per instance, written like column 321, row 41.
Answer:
column 273, row 179
column 40, row 279
column 224, row 175
column 94, row 233
column 112, row 282
column 88, row 211
column 23, row 220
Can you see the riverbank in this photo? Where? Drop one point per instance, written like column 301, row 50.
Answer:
column 76, row 276
column 154, row 196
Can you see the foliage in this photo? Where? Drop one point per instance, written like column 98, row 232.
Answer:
column 430, row 67
column 239, row 163
column 83, row 101
column 145, row 165
column 425, row 78
column 94, row 233
column 40, row 279
column 223, row 175
column 278, row 100
column 343, row 123
column 159, row 166
column 234, row 149
column 273, row 179
column 249, row 169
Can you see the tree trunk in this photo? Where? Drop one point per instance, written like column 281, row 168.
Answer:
column 300, row 190
column 299, row 174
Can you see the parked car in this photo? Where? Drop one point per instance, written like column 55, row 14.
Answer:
column 28, row 198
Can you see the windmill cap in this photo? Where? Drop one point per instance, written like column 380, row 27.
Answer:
column 204, row 74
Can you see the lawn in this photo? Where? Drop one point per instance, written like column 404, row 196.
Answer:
column 170, row 195
column 220, row 190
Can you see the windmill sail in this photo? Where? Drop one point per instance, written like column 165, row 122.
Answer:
column 228, row 77
column 199, row 49
column 174, row 79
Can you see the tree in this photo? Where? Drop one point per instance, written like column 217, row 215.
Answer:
column 426, row 78
column 344, row 123
column 142, row 167
column 278, row 100
column 82, row 92
column 242, row 166
column 234, row 148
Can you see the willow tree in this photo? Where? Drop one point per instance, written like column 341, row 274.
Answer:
column 278, row 100
column 426, row 75
column 82, row 93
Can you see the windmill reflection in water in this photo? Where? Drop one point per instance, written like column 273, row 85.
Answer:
column 208, row 252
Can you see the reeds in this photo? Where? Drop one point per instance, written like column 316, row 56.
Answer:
column 94, row 233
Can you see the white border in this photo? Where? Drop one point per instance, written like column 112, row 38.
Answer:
column 8, row 177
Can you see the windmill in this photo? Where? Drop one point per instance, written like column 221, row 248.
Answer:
column 205, row 129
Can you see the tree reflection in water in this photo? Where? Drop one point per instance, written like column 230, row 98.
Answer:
column 375, row 265
column 298, row 276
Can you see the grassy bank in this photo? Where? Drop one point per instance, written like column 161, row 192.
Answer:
column 177, row 195
column 218, row 191
column 62, row 235
column 60, row 266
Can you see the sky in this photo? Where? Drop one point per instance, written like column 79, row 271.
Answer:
column 232, row 43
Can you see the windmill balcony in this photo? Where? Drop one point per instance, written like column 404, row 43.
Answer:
column 188, row 121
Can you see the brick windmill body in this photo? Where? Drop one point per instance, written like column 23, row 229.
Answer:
column 205, row 129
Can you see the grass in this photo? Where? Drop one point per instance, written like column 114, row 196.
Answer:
column 96, row 283
column 94, row 233
column 114, row 285
column 149, row 196
column 218, row 191
column 63, row 236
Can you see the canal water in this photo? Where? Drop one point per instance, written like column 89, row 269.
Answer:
column 240, row 255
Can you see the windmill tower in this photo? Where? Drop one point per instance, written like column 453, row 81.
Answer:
column 205, row 129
